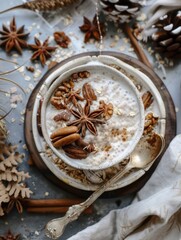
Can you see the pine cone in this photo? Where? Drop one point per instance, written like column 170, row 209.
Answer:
column 167, row 38
column 120, row 10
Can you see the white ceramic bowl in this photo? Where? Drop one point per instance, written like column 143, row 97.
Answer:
column 109, row 75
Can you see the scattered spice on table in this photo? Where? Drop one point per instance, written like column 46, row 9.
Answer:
column 42, row 51
column 10, row 236
column 13, row 38
column 62, row 39
column 91, row 29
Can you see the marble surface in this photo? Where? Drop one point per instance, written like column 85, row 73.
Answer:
column 31, row 226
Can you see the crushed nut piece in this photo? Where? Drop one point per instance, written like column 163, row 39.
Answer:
column 124, row 135
column 150, row 122
column 58, row 103
column 30, row 69
column 108, row 109
column 62, row 39
column 63, row 116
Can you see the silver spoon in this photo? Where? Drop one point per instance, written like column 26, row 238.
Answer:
column 95, row 177
column 144, row 153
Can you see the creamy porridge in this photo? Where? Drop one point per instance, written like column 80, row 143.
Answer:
column 118, row 132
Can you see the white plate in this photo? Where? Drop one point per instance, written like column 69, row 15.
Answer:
column 74, row 177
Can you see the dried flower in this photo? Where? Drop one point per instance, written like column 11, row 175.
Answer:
column 42, row 50
column 91, row 29
column 11, row 180
column 13, row 37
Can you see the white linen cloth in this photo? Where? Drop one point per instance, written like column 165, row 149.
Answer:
column 155, row 212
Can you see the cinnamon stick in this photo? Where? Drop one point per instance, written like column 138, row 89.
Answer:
column 138, row 50
column 54, row 210
column 50, row 202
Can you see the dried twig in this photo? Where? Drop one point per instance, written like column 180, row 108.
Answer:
column 42, row 5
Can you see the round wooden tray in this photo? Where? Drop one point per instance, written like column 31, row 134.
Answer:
column 170, row 126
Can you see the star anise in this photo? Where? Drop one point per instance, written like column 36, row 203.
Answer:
column 86, row 119
column 92, row 29
column 73, row 96
column 10, row 236
column 14, row 202
column 13, row 37
column 42, row 50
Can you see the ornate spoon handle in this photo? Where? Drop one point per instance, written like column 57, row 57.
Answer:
column 55, row 227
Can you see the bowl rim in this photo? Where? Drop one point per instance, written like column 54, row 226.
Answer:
column 79, row 164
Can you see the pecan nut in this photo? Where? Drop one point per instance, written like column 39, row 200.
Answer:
column 64, row 131
column 89, row 147
column 58, row 102
column 75, row 152
column 147, row 99
column 88, row 92
column 62, row 141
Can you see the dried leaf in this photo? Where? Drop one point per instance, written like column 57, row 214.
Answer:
column 4, row 197
column 13, row 175
column 18, row 189
column 9, row 158
column 11, row 180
